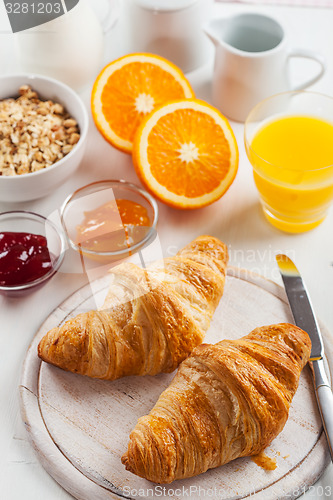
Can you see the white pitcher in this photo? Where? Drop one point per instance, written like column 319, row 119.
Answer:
column 69, row 47
column 170, row 28
column 251, row 62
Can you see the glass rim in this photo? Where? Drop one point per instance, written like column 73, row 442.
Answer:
column 109, row 182
column 58, row 258
column 271, row 98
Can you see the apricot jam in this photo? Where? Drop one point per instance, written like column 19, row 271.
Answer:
column 116, row 225
column 24, row 257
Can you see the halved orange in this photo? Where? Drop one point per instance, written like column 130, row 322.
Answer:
column 185, row 153
column 128, row 89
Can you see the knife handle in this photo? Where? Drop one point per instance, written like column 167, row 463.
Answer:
column 325, row 403
column 325, row 400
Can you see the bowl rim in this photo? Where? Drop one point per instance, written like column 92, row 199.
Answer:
column 120, row 182
column 58, row 259
column 83, row 130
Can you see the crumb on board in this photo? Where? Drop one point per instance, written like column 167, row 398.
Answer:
column 265, row 462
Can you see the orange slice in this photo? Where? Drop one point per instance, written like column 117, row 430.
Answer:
column 128, row 89
column 185, row 153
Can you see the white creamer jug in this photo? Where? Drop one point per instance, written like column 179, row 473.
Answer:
column 251, row 62
column 68, row 48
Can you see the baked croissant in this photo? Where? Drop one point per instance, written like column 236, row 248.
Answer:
column 151, row 319
column 226, row 401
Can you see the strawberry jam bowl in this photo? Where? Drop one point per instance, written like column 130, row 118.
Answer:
column 32, row 249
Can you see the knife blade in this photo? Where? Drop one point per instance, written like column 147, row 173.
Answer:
column 305, row 318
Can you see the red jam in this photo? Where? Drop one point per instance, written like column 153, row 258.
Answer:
column 24, row 258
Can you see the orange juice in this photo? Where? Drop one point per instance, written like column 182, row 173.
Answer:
column 292, row 157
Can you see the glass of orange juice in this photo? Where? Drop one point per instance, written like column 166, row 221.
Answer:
column 289, row 142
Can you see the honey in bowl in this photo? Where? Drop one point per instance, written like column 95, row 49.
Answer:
column 113, row 226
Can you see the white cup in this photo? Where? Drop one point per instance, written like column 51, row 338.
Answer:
column 251, row 62
column 169, row 28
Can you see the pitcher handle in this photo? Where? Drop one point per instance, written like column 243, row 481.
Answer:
column 111, row 16
column 309, row 54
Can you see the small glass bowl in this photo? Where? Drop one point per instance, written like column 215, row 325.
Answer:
column 29, row 222
column 93, row 196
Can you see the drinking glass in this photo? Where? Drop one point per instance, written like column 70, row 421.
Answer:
column 293, row 169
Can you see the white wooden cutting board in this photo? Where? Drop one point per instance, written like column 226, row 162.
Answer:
column 79, row 427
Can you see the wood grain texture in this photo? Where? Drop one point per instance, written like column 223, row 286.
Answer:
column 80, row 426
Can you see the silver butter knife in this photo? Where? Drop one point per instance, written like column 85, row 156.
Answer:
column 304, row 318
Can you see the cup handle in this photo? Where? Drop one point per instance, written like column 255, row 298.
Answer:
column 308, row 54
column 111, row 16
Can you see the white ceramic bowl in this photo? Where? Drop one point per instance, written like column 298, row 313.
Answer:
column 38, row 184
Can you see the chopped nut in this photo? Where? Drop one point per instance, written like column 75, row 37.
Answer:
column 55, row 148
column 66, row 149
column 42, row 111
column 43, row 142
column 14, row 138
column 9, row 171
column 58, row 109
column 33, row 133
column 71, row 130
column 74, row 138
column 36, row 165
column 58, row 135
column 24, row 89
column 23, row 169
column 38, row 156
column 70, row 123
column 20, row 125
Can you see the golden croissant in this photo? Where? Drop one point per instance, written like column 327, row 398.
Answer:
column 151, row 319
column 226, row 401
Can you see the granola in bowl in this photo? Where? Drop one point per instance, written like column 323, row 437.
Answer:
column 34, row 134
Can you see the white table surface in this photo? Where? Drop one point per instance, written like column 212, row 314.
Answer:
column 236, row 219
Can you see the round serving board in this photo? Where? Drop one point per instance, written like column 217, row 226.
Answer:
column 80, row 426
